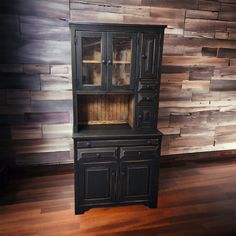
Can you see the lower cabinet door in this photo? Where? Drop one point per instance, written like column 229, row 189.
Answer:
column 97, row 183
column 136, row 180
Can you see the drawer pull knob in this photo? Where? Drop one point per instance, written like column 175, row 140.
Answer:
column 144, row 56
column 113, row 173
column 139, row 153
column 98, row 155
column 148, row 86
column 148, row 98
column 148, row 141
column 87, row 144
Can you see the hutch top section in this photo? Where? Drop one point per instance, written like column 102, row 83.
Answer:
column 116, row 78
column 110, row 58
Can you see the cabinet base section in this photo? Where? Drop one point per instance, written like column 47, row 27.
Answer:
column 3, row 176
column 83, row 208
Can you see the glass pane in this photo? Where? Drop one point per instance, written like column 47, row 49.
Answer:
column 121, row 61
column 91, row 61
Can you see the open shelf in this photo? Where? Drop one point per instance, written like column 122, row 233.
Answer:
column 91, row 61
column 105, row 109
column 121, row 62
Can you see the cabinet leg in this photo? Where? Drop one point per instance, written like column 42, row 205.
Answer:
column 153, row 204
column 80, row 211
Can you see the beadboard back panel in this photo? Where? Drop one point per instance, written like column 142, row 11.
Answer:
column 198, row 86
column 105, row 109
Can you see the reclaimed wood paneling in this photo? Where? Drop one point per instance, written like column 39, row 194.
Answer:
column 93, row 6
column 55, row 82
column 228, row 16
column 42, row 145
column 19, row 96
column 194, row 61
column 227, row 7
column 3, row 96
column 51, row 95
column 12, row 119
column 26, row 132
column 11, row 23
column 60, row 69
column 208, row 5
column 227, row 52
column 184, row 4
column 54, row 158
column 203, row 25
column 19, row 81
column 196, row 14
column 162, row 15
column 197, row 92
column 11, row 68
column 223, row 85
column 117, row 2
column 47, row 117
column 57, row 130
column 34, row 51
column 44, row 8
column 36, row 68
column 101, row 17
column 34, row 31
column 51, row 106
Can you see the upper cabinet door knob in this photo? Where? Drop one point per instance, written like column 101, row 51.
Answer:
column 144, row 56
column 110, row 62
column 103, row 61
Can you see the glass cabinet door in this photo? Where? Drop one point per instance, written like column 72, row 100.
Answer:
column 121, row 60
column 91, row 60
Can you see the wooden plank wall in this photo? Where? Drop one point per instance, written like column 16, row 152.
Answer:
column 198, row 88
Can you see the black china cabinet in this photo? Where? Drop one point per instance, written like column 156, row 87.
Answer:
column 116, row 78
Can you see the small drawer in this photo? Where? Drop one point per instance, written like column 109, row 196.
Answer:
column 118, row 143
column 139, row 153
column 147, row 86
column 86, row 154
column 147, row 99
column 146, row 117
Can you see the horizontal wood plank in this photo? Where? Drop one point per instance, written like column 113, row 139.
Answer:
column 194, row 61
column 26, row 132
column 196, row 14
column 47, row 117
column 209, row 5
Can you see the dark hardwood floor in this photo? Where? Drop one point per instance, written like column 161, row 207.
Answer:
column 195, row 199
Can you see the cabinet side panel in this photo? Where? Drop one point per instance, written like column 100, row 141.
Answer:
column 131, row 110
